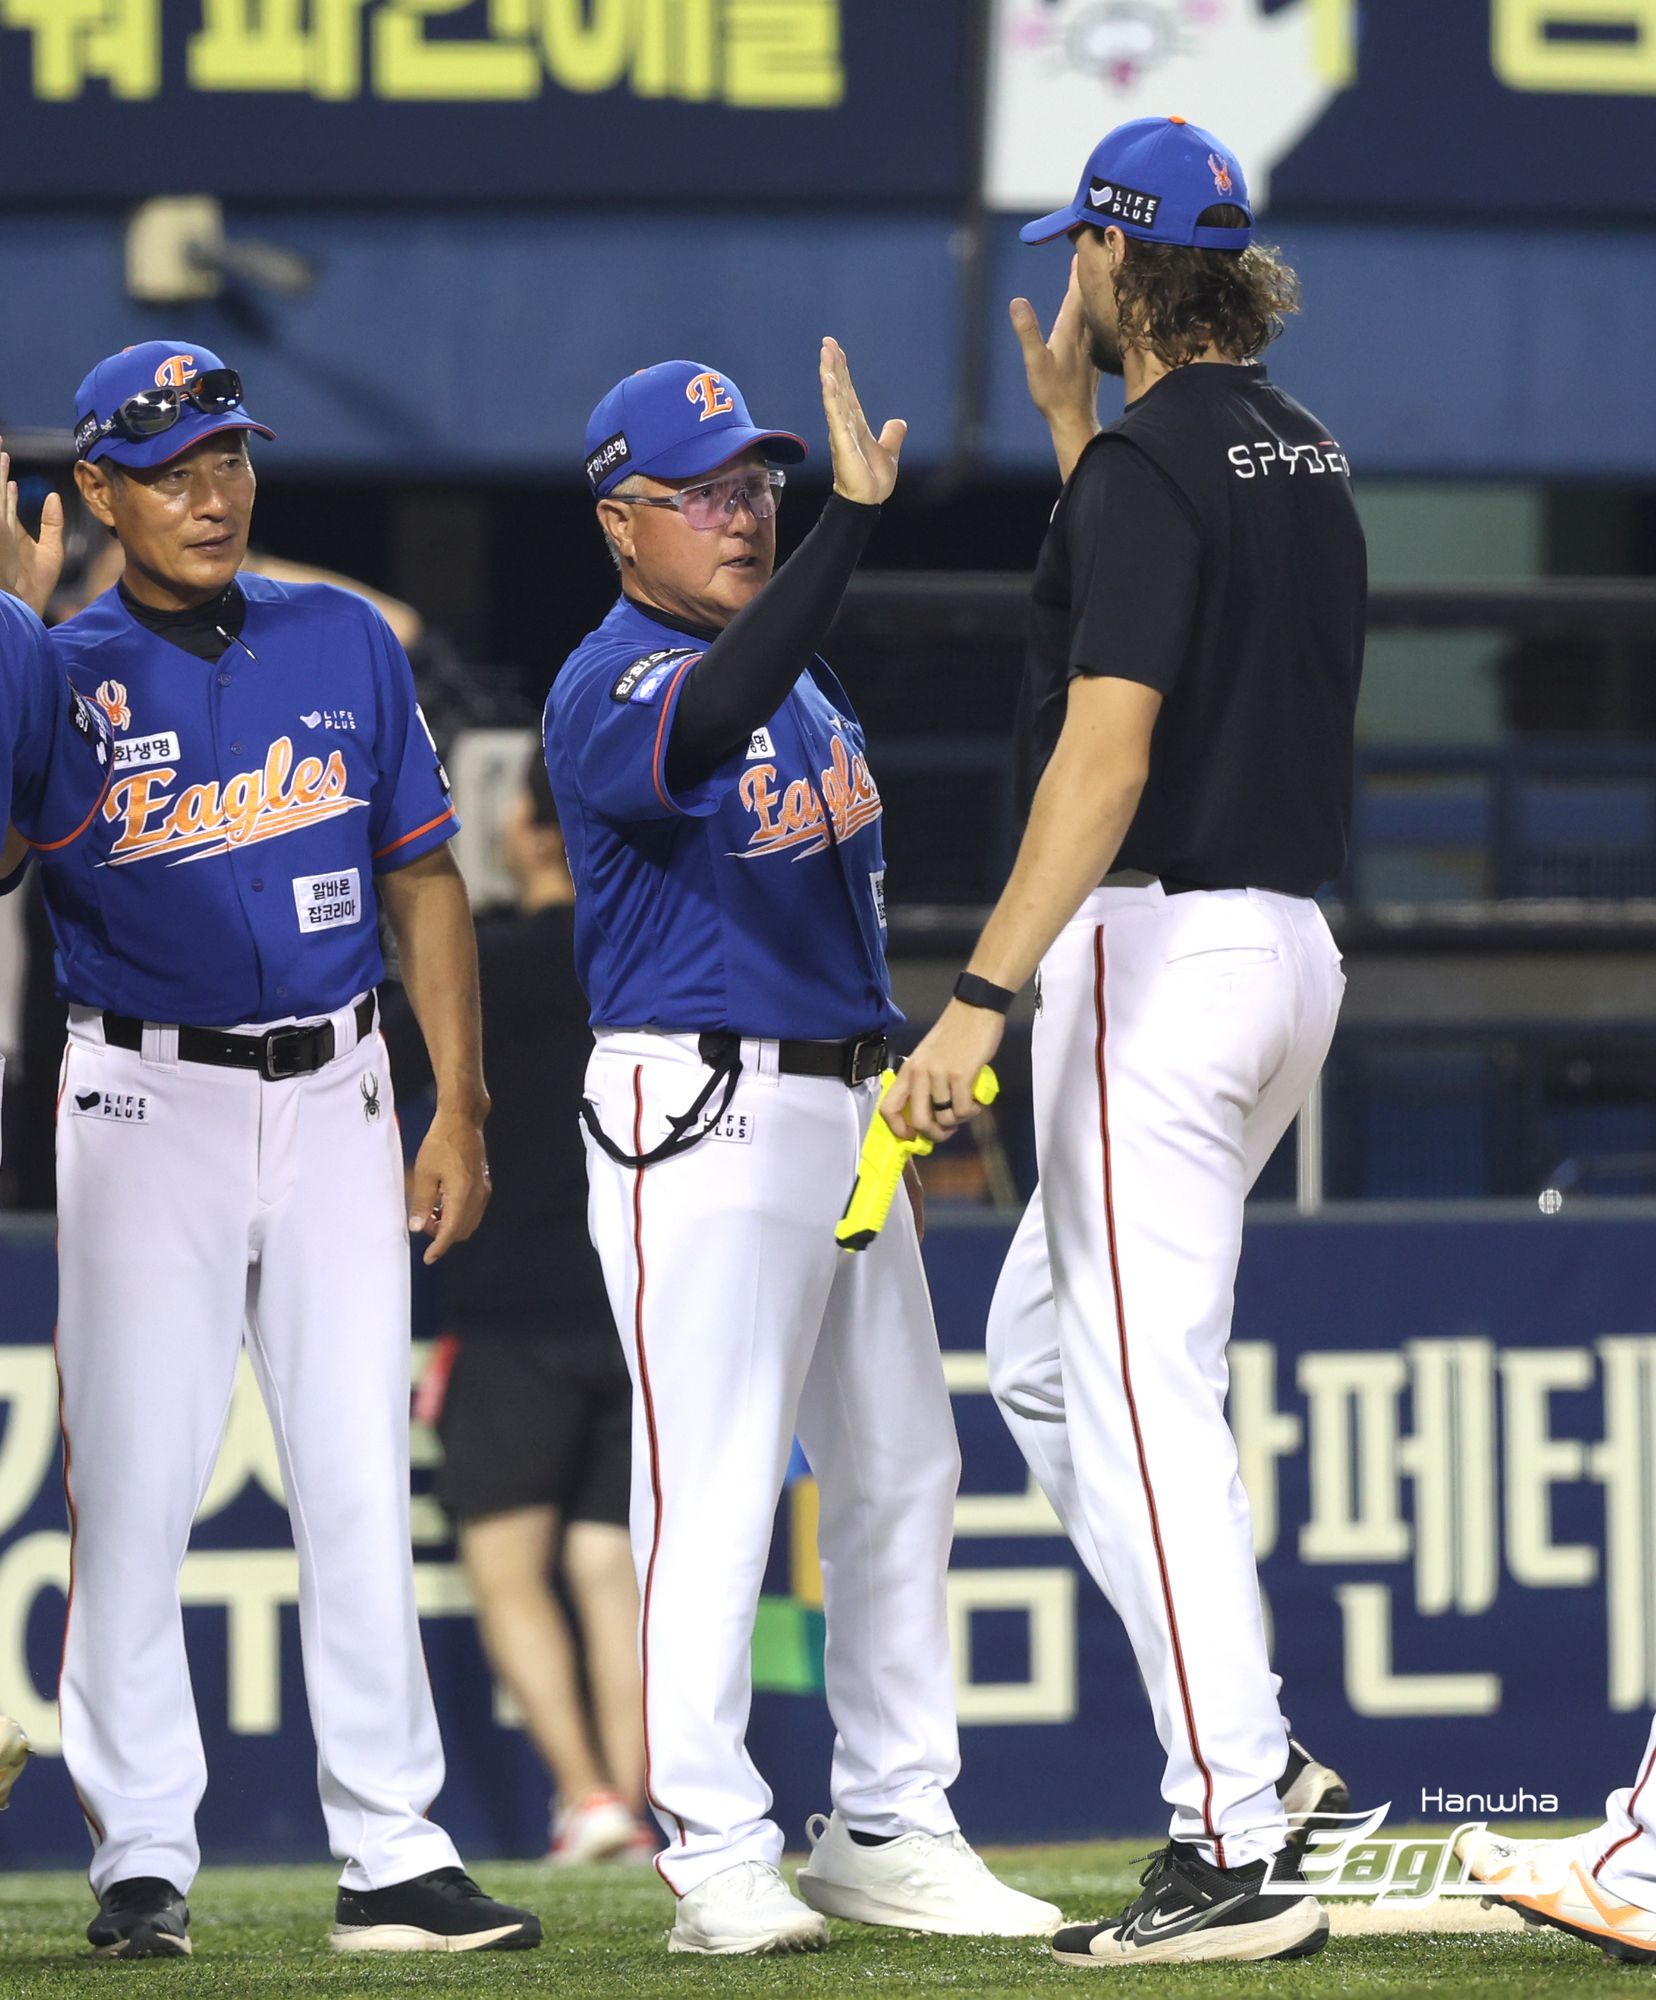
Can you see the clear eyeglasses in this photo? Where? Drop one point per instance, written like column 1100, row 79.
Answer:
column 710, row 505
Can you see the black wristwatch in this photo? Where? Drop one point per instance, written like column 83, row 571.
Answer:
column 983, row 993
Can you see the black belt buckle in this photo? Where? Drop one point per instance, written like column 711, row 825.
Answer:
column 285, row 1053
column 864, row 1058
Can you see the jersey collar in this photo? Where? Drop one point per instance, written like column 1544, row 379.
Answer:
column 1252, row 371
column 206, row 631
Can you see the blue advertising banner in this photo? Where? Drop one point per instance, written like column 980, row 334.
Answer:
column 1356, row 107
column 1448, row 1432
column 1527, row 108
column 658, row 102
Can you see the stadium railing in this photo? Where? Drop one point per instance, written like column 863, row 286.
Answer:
column 1498, row 911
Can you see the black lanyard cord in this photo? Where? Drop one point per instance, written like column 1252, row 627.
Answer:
column 680, row 1135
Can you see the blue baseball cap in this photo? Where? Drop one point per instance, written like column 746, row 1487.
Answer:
column 138, row 371
column 1152, row 178
column 675, row 421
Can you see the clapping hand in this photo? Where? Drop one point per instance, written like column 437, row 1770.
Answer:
column 1062, row 376
column 29, row 568
column 865, row 466
column 1063, row 380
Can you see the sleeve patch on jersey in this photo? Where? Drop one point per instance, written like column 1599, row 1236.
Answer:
column 85, row 719
column 643, row 680
column 436, row 759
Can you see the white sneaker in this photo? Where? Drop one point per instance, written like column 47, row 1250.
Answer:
column 14, row 1754
column 597, row 1829
column 744, row 1911
column 916, row 1882
column 1551, row 1882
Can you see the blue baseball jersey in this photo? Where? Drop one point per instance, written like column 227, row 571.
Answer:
column 229, row 874
column 752, row 902
column 54, row 744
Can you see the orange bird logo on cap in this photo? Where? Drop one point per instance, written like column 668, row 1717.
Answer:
column 709, row 391
column 1220, row 172
column 176, row 371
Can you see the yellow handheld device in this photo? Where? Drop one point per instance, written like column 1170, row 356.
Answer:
column 880, row 1168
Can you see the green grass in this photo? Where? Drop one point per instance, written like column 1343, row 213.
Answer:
column 262, row 1932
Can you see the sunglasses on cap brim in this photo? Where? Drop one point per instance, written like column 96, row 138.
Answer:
column 215, row 394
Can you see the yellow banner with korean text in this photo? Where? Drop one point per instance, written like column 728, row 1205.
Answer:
column 648, row 98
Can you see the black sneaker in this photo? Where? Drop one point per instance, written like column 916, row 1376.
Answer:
column 1312, row 1796
column 442, row 1911
column 1187, row 1910
column 141, row 1918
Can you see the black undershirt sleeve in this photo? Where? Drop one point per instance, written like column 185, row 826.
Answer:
column 744, row 677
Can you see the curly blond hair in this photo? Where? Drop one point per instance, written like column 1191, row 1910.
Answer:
column 1175, row 300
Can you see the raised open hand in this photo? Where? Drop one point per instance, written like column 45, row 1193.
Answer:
column 29, row 568
column 1063, row 382
column 865, row 466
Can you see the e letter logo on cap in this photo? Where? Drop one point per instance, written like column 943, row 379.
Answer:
column 174, row 373
column 709, row 391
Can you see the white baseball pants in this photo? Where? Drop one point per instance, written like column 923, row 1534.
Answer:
column 1176, row 1040
column 1625, row 1847
column 200, row 1208
column 744, row 1325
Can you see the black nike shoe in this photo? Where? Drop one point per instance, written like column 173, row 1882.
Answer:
column 1187, row 1910
column 442, row 1911
column 1312, row 1795
column 141, row 1918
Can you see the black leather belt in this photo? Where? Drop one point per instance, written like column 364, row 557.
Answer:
column 851, row 1062
column 279, row 1054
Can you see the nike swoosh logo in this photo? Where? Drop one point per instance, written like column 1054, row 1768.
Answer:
column 1147, row 1929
